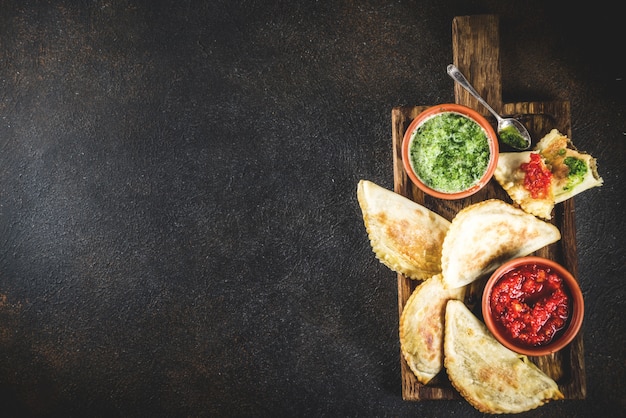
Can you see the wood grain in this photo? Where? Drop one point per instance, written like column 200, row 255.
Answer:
column 475, row 43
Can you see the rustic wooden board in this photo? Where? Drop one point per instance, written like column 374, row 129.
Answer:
column 475, row 44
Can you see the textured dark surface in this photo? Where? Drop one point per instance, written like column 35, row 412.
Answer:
column 179, row 231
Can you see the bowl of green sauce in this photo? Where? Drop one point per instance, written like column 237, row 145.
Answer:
column 450, row 151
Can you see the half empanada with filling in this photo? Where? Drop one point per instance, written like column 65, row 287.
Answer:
column 484, row 235
column 488, row 375
column 421, row 327
column 510, row 175
column 404, row 235
column 573, row 171
column 554, row 161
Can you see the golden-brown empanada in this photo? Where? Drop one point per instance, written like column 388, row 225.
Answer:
column 573, row 171
column 488, row 375
column 484, row 235
column 405, row 236
column 421, row 327
column 511, row 177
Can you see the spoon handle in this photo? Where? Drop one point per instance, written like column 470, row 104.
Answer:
column 456, row 74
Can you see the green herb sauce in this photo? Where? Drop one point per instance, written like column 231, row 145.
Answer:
column 512, row 137
column 577, row 171
column 449, row 152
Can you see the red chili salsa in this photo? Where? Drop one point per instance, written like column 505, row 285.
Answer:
column 537, row 177
column 530, row 304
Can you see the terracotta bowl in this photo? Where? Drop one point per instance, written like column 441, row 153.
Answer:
column 518, row 266
column 410, row 137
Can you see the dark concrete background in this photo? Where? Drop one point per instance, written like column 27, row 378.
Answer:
column 179, row 231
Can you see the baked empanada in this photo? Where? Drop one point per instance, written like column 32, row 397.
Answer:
column 511, row 177
column 405, row 236
column 570, row 171
column 421, row 327
column 484, row 235
column 488, row 375
column 573, row 171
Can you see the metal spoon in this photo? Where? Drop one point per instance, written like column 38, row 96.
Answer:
column 510, row 130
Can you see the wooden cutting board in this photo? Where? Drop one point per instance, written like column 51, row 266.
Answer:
column 475, row 47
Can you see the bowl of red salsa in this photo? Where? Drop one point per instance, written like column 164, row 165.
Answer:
column 533, row 306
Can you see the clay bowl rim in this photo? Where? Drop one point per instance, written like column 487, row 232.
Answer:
column 470, row 113
column 565, row 336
